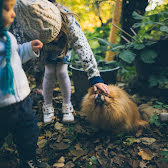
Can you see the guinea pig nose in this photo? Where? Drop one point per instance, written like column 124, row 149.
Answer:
column 99, row 99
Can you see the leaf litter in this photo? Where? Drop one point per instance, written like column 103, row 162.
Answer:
column 79, row 145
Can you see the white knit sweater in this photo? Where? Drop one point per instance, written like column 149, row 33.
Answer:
column 19, row 54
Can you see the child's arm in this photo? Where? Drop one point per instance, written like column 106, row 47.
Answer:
column 28, row 50
column 81, row 47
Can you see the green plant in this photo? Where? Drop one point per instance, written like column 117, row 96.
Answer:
column 92, row 161
column 130, row 141
column 160, row 105
column 165, row 156
column 142, row 48
column 70, row 133
column 155, row 120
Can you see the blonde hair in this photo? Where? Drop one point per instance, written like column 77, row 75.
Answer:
column 64, row 28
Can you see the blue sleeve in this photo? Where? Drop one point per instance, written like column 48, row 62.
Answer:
column 96, row 79
column 25, row 52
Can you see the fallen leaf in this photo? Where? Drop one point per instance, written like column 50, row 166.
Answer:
column 58, row 126
column 9, row 149
column 41, row 137
column 58, row 165
column 48, row 133
column 100, row 159
column 139, row 133
column 142, row 164
column 41, row 143
column 61, row 159
column 146, row 154
column 53, row 117
column 147, row 141
column 79, row 129
column 69, row 165
column 77, row 147
column 78, row 152
column 40, row 124
column 59, row 146
column 74, row 113
column 133, row 163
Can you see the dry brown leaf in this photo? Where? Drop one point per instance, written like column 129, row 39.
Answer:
column 40, row 124
column 48, row 133
column 133, row 163
column 69, row 165
column 74, row 113
column 41, row 137
column 59, row 146
column 148, row 141
column 77, row 147
column 58, row 126
column 146, row 154
column 142, row 164
column 41, row 143
column 53, row 117
column 58, row 165
column 61, row 159
column 78, row 153
column 139, row 133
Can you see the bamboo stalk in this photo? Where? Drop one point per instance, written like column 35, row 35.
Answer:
column 114, row 30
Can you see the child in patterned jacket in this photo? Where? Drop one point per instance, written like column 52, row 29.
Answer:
column 16, row 114
column 57, row 54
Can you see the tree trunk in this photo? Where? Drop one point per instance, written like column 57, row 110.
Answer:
column 114, row 30
column 127, row 20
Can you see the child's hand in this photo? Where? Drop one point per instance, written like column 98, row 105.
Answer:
column 103, row 87
column 36, row 45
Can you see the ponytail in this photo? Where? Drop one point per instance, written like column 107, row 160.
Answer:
column 6, row 73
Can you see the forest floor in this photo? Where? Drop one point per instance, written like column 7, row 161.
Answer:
column 79, row 145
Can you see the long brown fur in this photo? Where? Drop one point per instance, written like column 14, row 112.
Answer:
column 117, row 114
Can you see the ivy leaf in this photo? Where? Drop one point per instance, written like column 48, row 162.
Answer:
column 105, row 42
column 139, row 24
column 164, row 29
column 135, row 15
column 139, row 46
column 93, row 159
column 148, row 56
column 119, row 47
column 155, row 120
column 152, row 81
column 149, row 43
column 127, row 56
column 136, row 25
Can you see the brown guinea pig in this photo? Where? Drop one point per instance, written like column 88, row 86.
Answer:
column 114, row 112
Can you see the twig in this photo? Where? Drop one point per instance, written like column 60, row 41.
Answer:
column 133, row 31
column 124, row 31
column 125, row 39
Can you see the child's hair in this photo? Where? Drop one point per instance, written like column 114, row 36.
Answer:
column 65, row 22
column 1, row 8
column 6, row 74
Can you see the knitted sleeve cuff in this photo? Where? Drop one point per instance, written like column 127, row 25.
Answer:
column 96, row 79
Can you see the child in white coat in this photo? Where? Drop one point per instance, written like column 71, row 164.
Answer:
column 16, row 114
